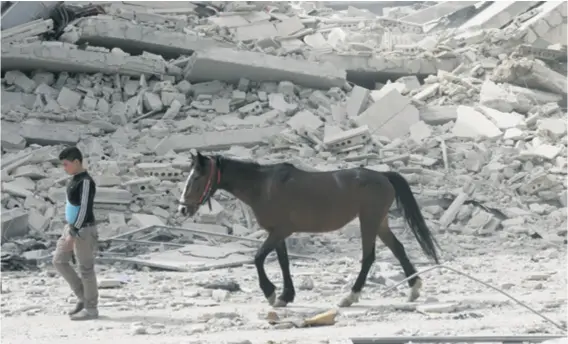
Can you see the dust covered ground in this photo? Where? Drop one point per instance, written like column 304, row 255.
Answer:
column 164, row 307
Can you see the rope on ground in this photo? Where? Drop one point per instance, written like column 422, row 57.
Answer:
column 563, row 328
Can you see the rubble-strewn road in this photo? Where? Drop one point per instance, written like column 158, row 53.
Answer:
column 161, row 307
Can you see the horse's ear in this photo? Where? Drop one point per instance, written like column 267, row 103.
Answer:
column 201, row 160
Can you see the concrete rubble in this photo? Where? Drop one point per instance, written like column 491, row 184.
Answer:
column 466, row 100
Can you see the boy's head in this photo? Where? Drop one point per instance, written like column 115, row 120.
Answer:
column 72, row 160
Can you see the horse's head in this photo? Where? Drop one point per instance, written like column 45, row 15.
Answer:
column 200, row 185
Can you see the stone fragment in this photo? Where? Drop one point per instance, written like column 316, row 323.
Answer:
column 472, row 124
column 69, row 99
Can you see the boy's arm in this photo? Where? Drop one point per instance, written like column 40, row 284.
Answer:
column 85, row 190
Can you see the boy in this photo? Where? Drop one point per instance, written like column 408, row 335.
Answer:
column 79, row 236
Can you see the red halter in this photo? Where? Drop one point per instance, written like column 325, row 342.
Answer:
column 209, row 186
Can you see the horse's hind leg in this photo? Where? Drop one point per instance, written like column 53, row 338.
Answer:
column 387, row 237
column 369, row 224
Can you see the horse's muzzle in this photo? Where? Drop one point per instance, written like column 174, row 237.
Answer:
column 186, row 210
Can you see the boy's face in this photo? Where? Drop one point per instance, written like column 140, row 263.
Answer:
column 71, row 167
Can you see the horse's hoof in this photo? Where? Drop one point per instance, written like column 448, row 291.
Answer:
column 415, row 290
column 349, row 300
column 345, row 302
column 414, row 294
column 272, row 299
column 279, row 303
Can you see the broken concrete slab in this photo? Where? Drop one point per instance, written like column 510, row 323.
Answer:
column 437, row 11
column 390, row 116
column 548, row 26
column 12, row 140
column 472, row 124
column 532, row 74
column 63, row 57
column 230, row 66
column 49, row 134
column 216, row 140
column 392, row 66
column 14, row 224
column 132, row 38
column 501, row 119
column 357, row 101
column 497, row 15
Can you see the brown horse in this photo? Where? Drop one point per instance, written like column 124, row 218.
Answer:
column 288, row 200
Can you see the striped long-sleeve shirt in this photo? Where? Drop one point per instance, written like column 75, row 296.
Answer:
column 81, row 191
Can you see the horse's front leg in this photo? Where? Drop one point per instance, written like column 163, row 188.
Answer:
column 267, row 246
column 288, row 294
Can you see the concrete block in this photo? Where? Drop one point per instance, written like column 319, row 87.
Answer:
column 346, row 139
column 472, row 124
column 216, row 140
column 14, row 224
column 16, row 189
column 168, row 97
column 173, row 110
column 12, row 140
column 146, row 220
column 33, row 172
column 357, row 101
column 305, row 120
column 20, row 80
column 230, row 65
column 14, row 99
column 222, row 105
column 497, row 15
column 208, row 87
column 37, row 222
column 135, row 39
column 62, row 57
column 420, row 131
column 438, row 115
column 390, row 116
column 69, row 99
column 49, row 134
column 152, row 102
column 118, row 113
column 254, row 108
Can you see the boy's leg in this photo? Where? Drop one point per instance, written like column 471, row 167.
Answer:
column 61, row 258
column 85, row 252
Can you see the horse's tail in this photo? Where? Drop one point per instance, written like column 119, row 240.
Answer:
column 407, row 203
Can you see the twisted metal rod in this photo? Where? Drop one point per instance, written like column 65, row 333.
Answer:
column 563, row 328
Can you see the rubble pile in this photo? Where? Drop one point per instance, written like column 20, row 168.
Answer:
column 466, row 100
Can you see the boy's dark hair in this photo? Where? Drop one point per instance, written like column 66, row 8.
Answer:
column 71, row 153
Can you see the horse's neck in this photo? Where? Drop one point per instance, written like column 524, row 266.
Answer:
column 241, row 179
